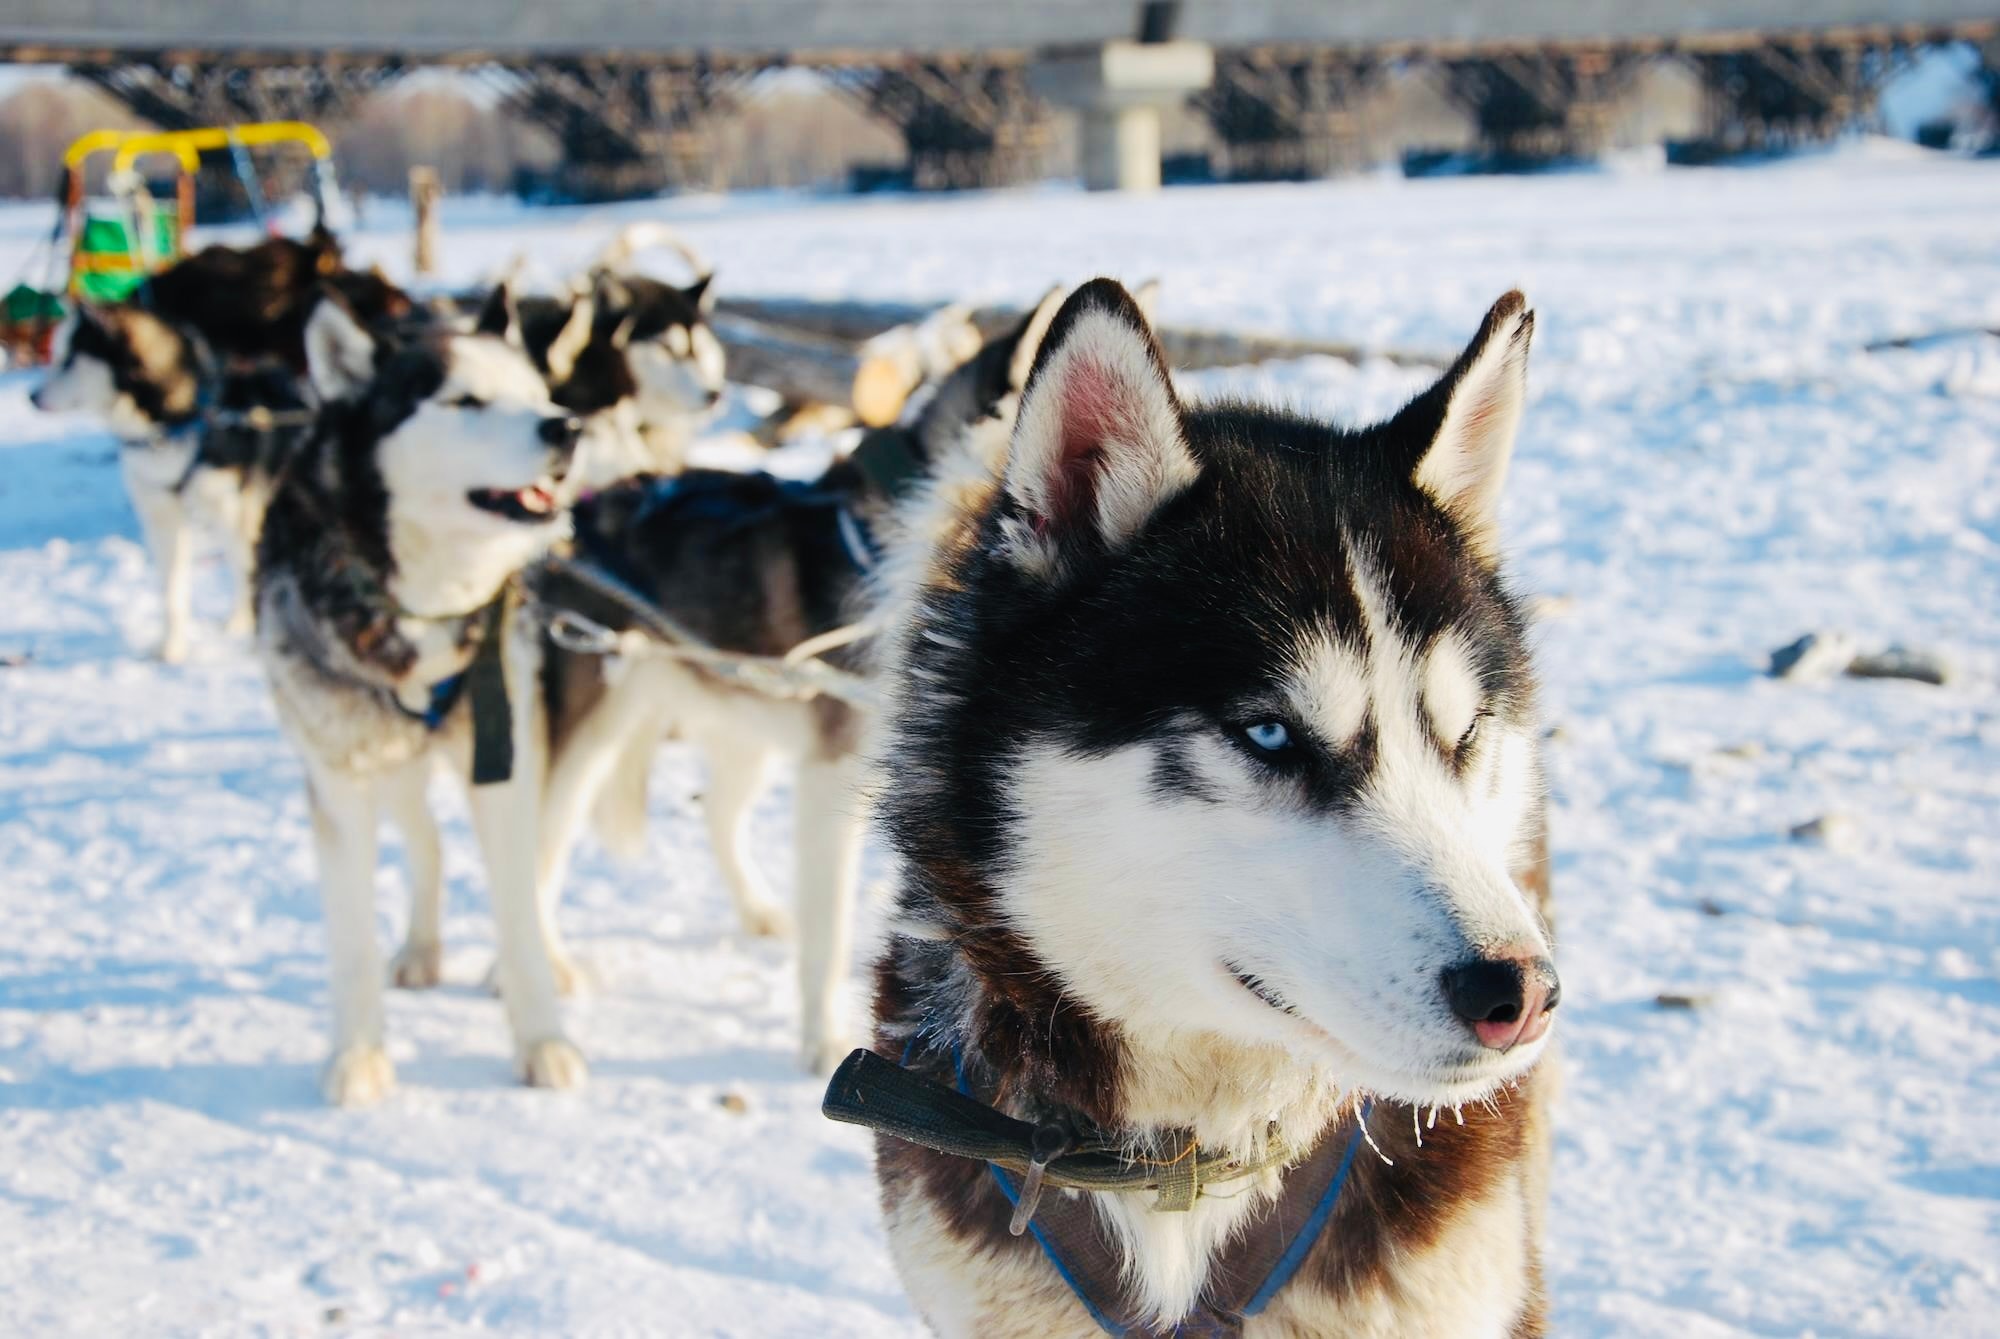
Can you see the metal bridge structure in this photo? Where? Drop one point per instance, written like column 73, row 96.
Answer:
column 632, row 89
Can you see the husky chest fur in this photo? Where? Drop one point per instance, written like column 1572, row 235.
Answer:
column 1211, row 758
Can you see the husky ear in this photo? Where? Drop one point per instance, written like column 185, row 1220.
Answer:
column 1098, row 445
column 621, row 335
column 1464, row 426
column 1028, row 340
column 702, row 293
column 499, row 317
column 340, row 355
column 570, row 340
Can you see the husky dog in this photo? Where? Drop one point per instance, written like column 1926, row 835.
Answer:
column 633, row 357
column 252, row 303
column 758, row 567
column 1209, row 749
column 200, row 444
column 390, row 632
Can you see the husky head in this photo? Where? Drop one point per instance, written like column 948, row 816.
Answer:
column 1218, row 726
column 462, row 445
column 662, row 334
column 125, row 366
column 626, row 340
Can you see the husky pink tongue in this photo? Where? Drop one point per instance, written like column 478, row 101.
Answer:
column 537, row 498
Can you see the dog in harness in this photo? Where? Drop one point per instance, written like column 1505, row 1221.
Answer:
column 199, row 442
column 394, row 635
column 757, row 567
column 632, row 356
column 1221, row 969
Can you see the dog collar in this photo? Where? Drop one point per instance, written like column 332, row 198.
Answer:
column 1252, row 1268
column 885, row 1097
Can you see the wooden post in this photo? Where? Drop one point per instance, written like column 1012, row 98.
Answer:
column 425, row 193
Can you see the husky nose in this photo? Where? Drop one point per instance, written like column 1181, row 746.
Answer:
column 562, row 433
column 713, row 398
column 1506, row 998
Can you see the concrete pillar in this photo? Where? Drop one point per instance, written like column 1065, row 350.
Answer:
column 1121, row 148
column 1119, row 90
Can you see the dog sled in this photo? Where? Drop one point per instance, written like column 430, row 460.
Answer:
column 117, row 240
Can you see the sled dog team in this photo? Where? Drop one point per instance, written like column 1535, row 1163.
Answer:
column 1204, row 736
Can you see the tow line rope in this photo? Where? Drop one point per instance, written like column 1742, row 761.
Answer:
column 793, row 676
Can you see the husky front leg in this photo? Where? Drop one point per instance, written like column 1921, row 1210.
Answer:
column 507, row 817
column 829, row 822
column 163, row 523
column 343, row 820
column 419, row 964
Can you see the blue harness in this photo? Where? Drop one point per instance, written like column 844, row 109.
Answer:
column 1073, row 1244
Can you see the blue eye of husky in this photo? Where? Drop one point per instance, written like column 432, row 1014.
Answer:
column 1268, row 735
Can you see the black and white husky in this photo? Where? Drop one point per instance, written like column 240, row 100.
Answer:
column 1210, row 753
column 199, row 444
column 759, row 567
column 634, row 357
column 390, row 627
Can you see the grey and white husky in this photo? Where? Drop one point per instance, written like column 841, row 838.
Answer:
column 1210, row 753
column 391, row 630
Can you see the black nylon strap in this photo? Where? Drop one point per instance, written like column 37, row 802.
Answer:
column 883, row 1096
column 486, row 686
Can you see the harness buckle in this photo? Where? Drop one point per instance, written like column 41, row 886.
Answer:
column 1048, row 1143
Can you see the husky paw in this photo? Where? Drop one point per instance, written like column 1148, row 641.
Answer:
column 417, row 965
column 822, row 1055
column 358, row 1076
column 765, row 920
column 241, row 622
column 172, row 651
column 553, row 1063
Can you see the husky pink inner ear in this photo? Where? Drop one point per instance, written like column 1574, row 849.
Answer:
column 1098, row 444
column 1089, row 416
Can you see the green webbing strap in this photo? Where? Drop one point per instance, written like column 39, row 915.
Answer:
column 1180, row 1177
column 486, row 685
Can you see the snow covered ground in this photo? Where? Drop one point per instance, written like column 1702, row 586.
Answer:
column 1711, row 465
